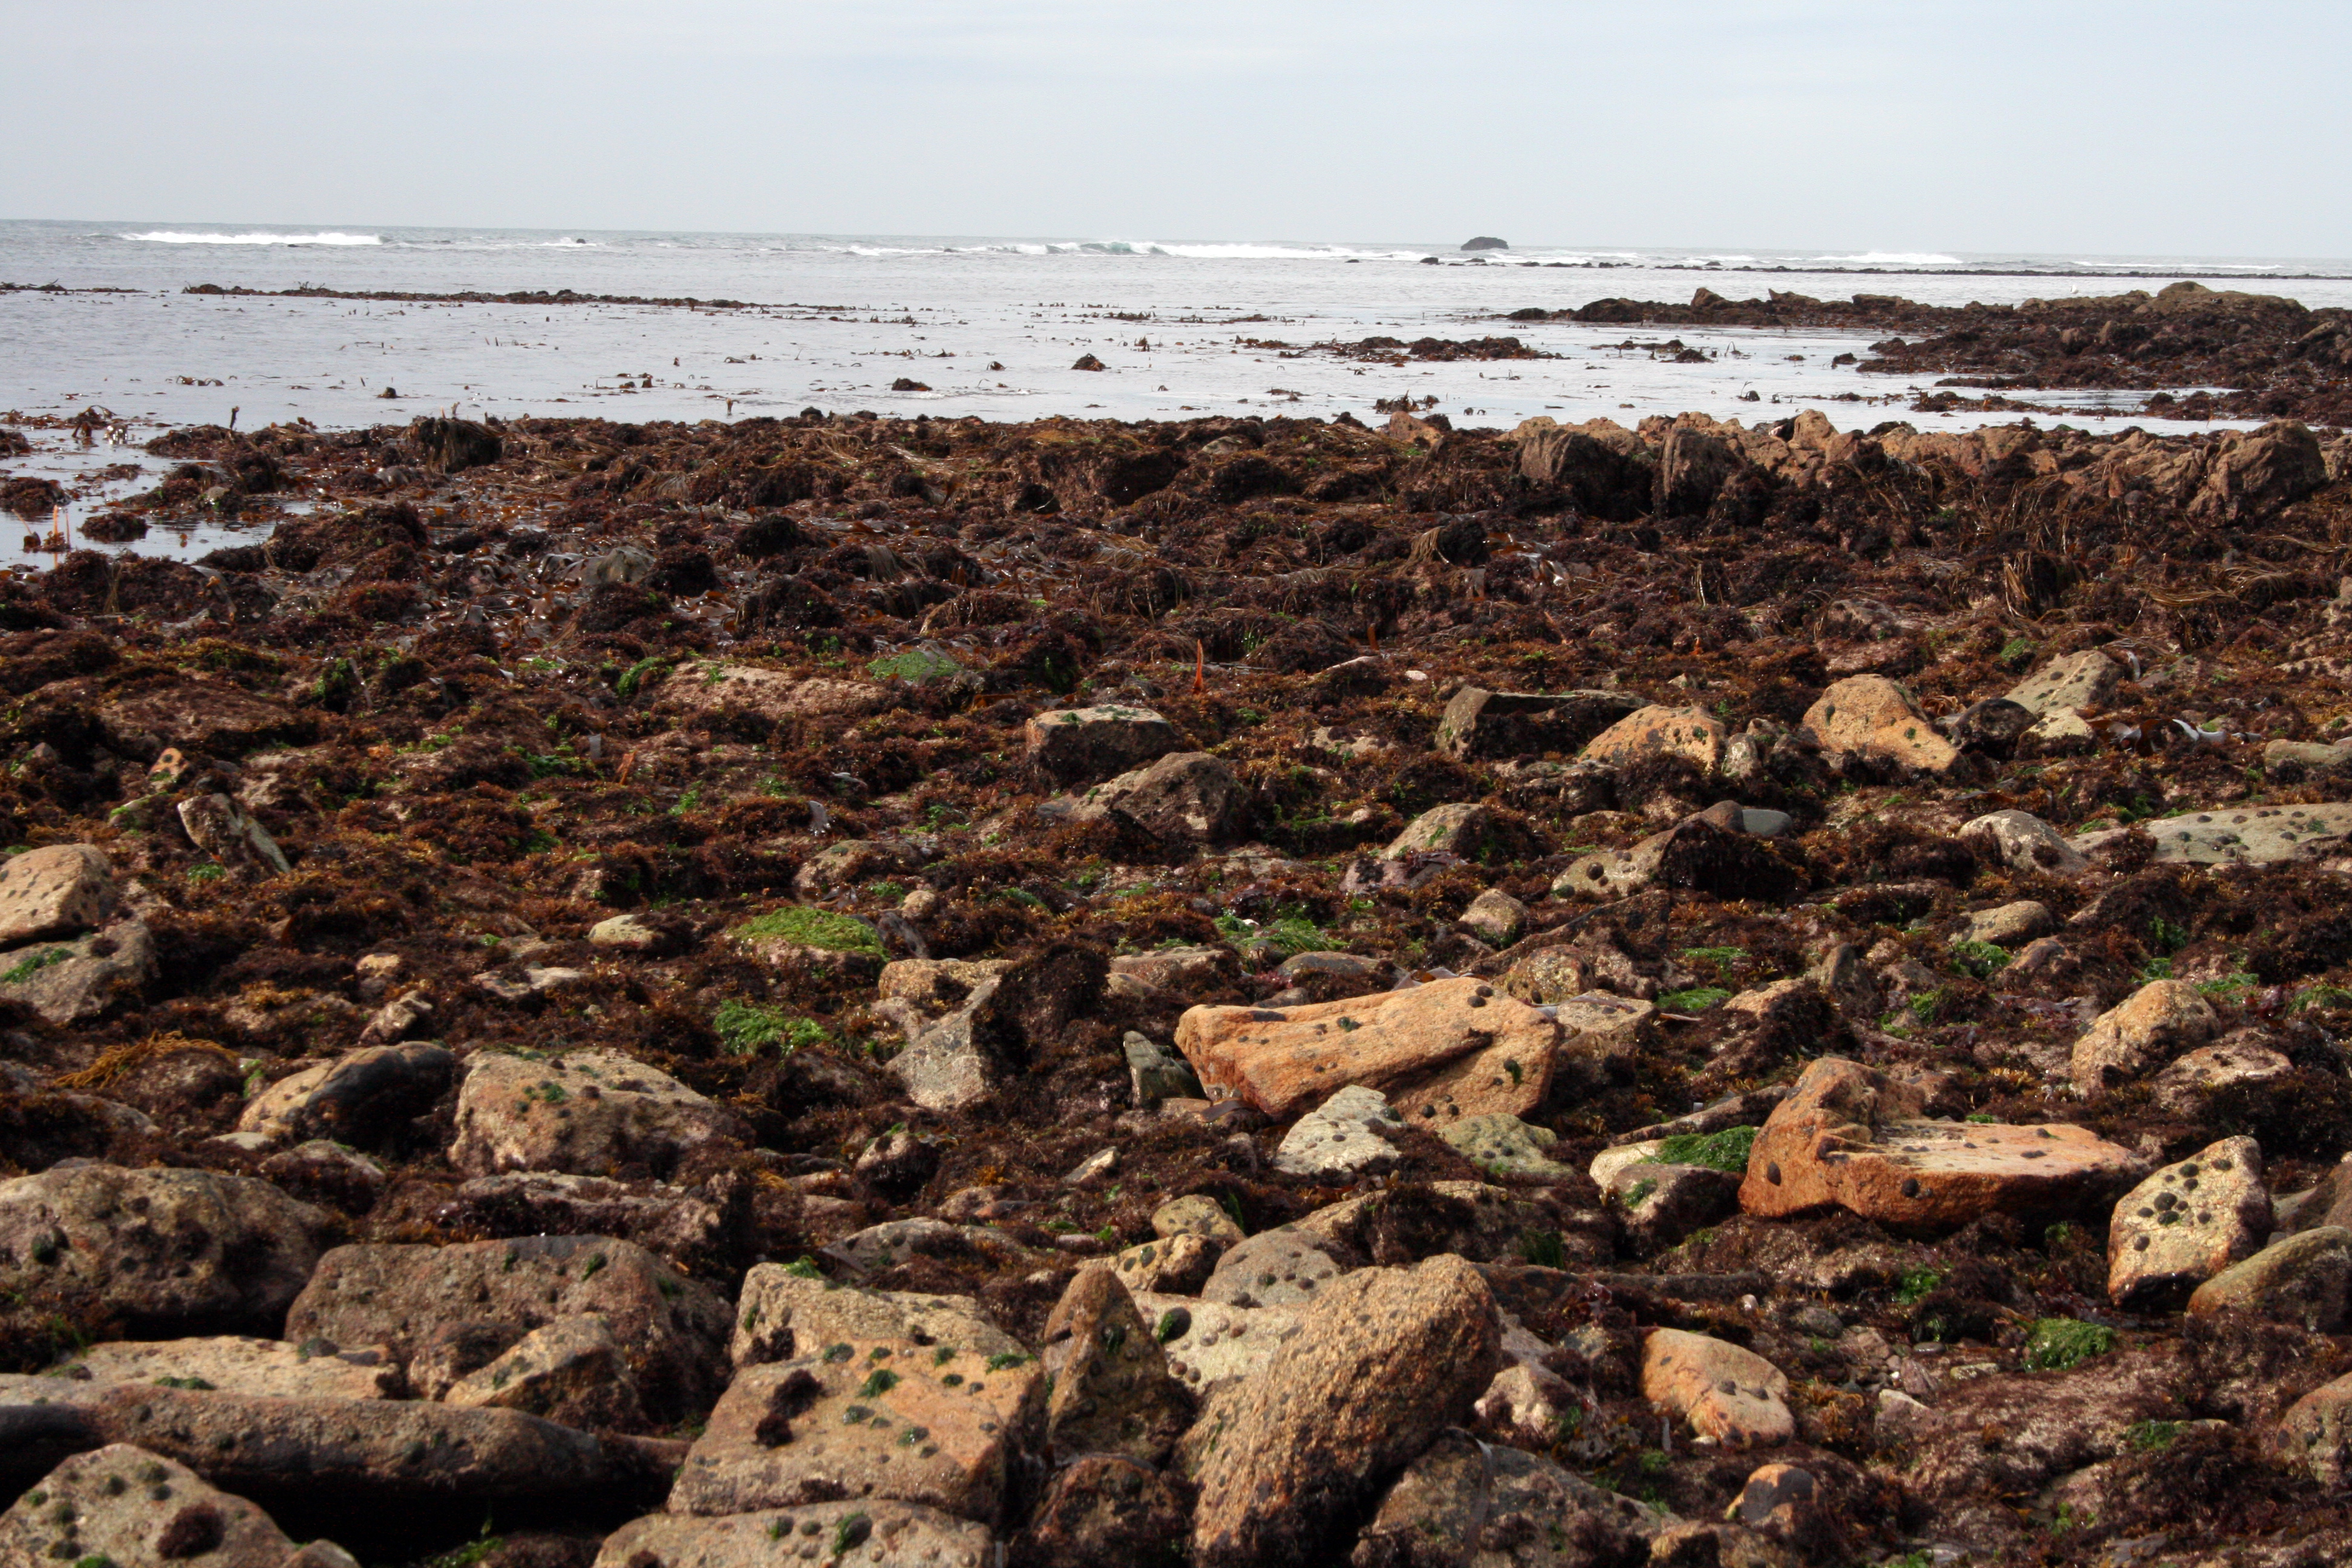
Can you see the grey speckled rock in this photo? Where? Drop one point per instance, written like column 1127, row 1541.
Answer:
column 782, row 1314
column 1278, row 1267
column 2306, row 1278
column 131, row 1508
column 1112, row 1390
column 53, row 892
column 1340, row 1138
column 2024, row 842
column 863, row 1533
column 1282, row 1463
column 867, row 1419
column 1184, row 797
column 1465, row 1501
column 358, row 1450
column 1506, row 1146
column 237, row 1365
column 2085, row 680
column 74, row 982
column 2188, row 1221
column 2010, row 925
column 2251, row 836
column 1155, row 1072
column 588, row 1112
column 1210, row 1344
column 208, row 1253
column 672, row 1331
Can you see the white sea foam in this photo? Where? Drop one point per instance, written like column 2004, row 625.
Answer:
column 177, row 237
column 1894, row 258
column 1190, row 252
column 1249, row 252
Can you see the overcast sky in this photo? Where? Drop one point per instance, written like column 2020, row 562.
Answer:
column 2085, row 125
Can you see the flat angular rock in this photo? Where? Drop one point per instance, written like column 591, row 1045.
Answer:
column 1178, row 1264
column 2024, row 842
column 2315, row 1436
column 1199, row 1214
column 627, row 933
column 2061, row 733
column 1660, row 1205
column 1285, row 1266
column 1870, row 716
column 1184, row 797
column 80, row 980
column 2047, row 1424
column 866, row 1418
column 782, row 1315
column 1212, row 1343
column 958, row 1061
column 859, row 1534
column 2246, row 835
column 851, row 861
column 1341, row 1139
column 1506, row 1146
column 2306, row 1280
column 699, row 689
column 2292, row 762
column 569, row 1369
column 1495, row 917
column 672, row 1331
column 1103, row 1508
column 689, row 1227
column 1155, row 1072
column 1475, row 1220
column 238, row 1365
column 1079, row 745
column 128, row 1508
column 220, row 828
column 935, row 987
column 1694, row 853
column 1459, row 828
column 1438, row 1052
column 1284, row 1460
column 893, row 1241
column 1182, row 970
column 1600, row 1023
column 2085, row 679
column 1112, row 1391
column 354, row 1098
column 1855, row 1137
column 360, row 1450
column 2155, row 1024
column 200, row 717
column 1482, row 725
column 2010, row 925
column 1464, row 1503
column 593, row 1113
column 166, row 1251
column 1730, row 1395
column 2228, row 1066
column 2188, row 1221
column 52, row 892
column 1693, row 734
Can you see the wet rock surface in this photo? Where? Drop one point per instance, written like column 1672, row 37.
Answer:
column 1590, row 996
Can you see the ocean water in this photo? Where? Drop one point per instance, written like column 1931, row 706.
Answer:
column 982, row 326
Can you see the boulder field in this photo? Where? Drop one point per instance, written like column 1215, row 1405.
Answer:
column 850, row 991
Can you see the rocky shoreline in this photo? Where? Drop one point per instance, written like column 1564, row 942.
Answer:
column 2242, row 355
column 874, row 991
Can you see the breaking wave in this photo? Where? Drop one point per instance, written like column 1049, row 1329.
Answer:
column 179, row 236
